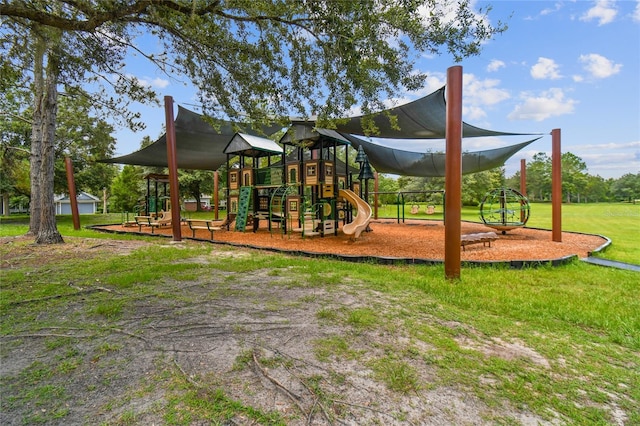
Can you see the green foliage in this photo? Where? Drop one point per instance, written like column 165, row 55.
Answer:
column 577, row 184
column 126, row 190
column 194, row 183
column 309, row 57
column 627, row 187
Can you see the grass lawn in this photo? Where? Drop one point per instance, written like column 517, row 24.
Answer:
column 139, row 337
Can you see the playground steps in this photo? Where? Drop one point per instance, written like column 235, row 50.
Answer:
column 310, row 226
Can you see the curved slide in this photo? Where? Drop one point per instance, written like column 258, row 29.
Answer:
column 362, row 219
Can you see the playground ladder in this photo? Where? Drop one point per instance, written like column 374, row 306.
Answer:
column 243, row 208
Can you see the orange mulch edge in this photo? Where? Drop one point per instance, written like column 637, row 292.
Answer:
column 414, row 239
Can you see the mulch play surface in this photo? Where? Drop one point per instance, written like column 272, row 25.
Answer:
column 414, row 239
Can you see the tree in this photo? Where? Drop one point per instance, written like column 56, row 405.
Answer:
column 78, row 134
column 15, row 128
column 539, row 177
column 196, row 183
column 627, row 187
column 390, row 185
column 84, row 138
column 476, row 185
column 251, row 60
column 126, row 191
column 597, row 189
column 574, row 176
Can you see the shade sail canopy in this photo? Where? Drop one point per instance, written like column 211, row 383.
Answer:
column 409, row 163
column 304, row 133
column 424, row 118
column 199, row 146
column 252, row 146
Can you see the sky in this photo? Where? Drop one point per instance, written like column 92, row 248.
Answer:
column 570, row 65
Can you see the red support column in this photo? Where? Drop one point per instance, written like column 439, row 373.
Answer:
column 556, row 186
column 71, row 183
column 523, row 177
column 216, row 184
column 173, row 169
column 523, row 184
column 453, row 174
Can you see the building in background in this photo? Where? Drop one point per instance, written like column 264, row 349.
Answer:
column 87, row 203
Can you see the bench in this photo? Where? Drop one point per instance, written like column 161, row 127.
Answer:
column 209, row 225
column 480, row 237
column 152, row 222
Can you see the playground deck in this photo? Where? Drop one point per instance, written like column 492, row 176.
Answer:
column 415, row 239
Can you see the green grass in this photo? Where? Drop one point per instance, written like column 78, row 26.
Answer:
column 581, row 321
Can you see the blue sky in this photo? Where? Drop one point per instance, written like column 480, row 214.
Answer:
column 572, row 65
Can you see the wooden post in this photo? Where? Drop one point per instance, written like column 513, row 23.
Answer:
column 523, row 185
column 104, row 200
column 523, row 177
column 71, row 182
column 173, row 169
column 556, row 186
column 216, row 183
column 453, row 174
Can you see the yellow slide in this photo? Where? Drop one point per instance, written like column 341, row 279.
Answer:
column 362, row 219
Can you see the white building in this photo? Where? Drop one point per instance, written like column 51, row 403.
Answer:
column 87, row 203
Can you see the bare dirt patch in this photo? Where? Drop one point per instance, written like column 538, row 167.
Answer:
column 255, row 336
column 20, row 250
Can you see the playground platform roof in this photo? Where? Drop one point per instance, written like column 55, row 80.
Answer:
column 252, row 146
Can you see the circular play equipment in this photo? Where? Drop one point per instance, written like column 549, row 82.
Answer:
column 504, row 209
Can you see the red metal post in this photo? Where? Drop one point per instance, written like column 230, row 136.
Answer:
column 556, row 186
column 216, row 184
column 71, row 182
column 523, row 177
column 523, row 184
column 172, row 161
column 453, row 174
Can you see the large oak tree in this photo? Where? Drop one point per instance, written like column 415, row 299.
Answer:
column 250, row 59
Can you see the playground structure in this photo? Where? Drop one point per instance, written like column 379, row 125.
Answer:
column 428, row 117
column 504, row 209
column 300, row 185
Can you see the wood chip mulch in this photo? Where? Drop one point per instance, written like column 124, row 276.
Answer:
column 414, row 239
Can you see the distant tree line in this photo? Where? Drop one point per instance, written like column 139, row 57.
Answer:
column 578, row 186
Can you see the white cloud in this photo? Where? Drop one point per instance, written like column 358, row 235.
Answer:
column 556, row 7
column 155, row 83
column 611, row 146
column 160, row 83
column 550, row 103
column 483, row 92
column 604, row 11
column 636, row 13
column 598, row 66
column 495, row 65
column 545, row 68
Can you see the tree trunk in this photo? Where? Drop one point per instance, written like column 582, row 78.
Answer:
column 43, row 216
column 5, row 204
